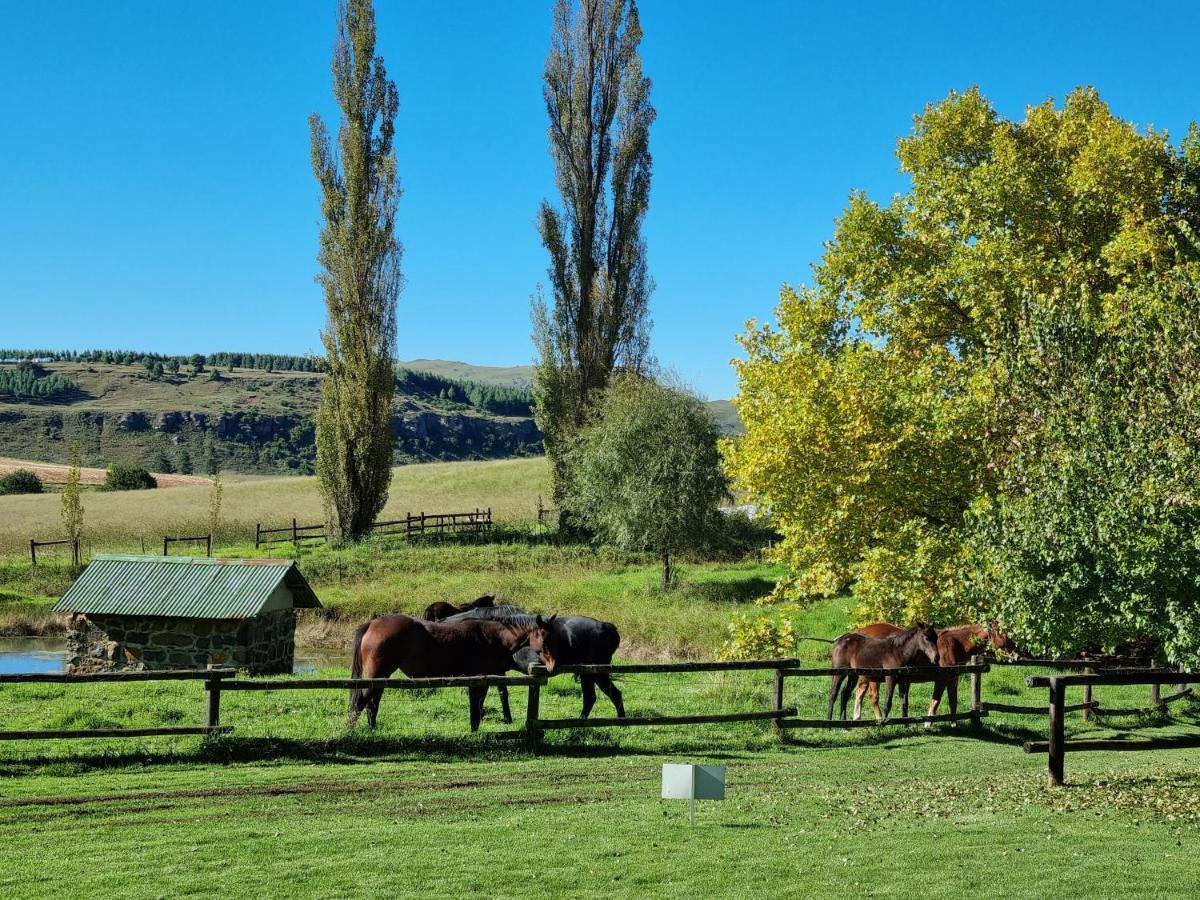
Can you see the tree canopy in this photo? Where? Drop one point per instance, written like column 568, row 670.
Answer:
column 893, row 404
column 646, row 472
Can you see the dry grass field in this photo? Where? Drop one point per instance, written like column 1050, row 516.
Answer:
column 121, row 520
column 53, row 473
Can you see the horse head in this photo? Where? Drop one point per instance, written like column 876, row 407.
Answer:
column 486, row 600
column 927, row 640
column 1001, row 642
column 546, row 642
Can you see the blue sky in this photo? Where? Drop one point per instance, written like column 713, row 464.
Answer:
column 155, row 189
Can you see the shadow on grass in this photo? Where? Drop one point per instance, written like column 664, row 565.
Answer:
column 742, row 590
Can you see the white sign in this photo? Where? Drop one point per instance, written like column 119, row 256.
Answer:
column 683, row 781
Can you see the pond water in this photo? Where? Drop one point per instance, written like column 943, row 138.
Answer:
column 26, row 654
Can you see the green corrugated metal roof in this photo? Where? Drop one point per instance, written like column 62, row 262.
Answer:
column 184, row 587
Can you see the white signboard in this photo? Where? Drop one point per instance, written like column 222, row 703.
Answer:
column 683, row 781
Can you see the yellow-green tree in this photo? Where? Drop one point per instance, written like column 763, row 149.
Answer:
column 875, row 407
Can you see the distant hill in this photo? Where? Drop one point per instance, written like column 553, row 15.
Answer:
column 509, row 376
column 251, row 413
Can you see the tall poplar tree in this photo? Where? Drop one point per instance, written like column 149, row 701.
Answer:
column 361, row 260
column 598, row 103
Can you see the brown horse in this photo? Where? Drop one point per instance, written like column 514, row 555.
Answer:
column 955, row 645
column 423, row 649
column 913, row 647
column 439, row 610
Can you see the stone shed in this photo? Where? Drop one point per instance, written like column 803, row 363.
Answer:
column 163, row 612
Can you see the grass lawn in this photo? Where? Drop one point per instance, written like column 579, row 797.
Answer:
column 293, row 803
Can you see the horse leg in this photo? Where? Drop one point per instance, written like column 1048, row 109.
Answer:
column 891, row 689
column 905, row 684
column 475, row 696
column 503, row 692
column 859, row 691
column 587, row 684
column 847, row 689
column 833, row 692
column 939, row 685
column 874, row 688
column 613, row 693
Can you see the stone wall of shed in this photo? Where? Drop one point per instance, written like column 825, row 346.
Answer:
column 264, row 645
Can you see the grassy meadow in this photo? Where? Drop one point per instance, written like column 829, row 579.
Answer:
column 420, row 808
column 120, row 520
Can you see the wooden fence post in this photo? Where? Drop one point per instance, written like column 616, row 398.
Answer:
column 1087, row 696
column 210, row 545
column 257, row 534
column 33, row 552
column 1057, row 748
column 214, row 701
column 295, row 542
column 76, row 558
column 976, row 691
column 777, row 696
column 533, row 734
column 1155, row 695
column 164, row 545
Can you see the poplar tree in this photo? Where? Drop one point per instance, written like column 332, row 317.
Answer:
column 598, row 103
column 360, row 257
column 72, row 507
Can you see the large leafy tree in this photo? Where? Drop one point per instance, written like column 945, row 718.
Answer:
column 879, row 410
column 360, row 257
column 646, row 472
column 598, row 103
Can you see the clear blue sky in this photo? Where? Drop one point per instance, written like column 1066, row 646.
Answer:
column 155, row 190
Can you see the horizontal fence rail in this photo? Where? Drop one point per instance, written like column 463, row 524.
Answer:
column 411, row 525
column 1057, row 746
column 210, row 676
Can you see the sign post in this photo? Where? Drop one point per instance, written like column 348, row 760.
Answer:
column 684, row 781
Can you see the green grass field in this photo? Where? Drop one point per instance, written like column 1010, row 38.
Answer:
column 292, row 801
column 122, row 520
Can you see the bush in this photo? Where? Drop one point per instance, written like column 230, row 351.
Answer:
column 121, row 477
column 21, row 481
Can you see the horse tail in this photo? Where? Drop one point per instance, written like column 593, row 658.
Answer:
column 358, row 695
column 809, row 637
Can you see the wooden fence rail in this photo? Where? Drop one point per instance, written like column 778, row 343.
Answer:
column 33, row 549
column 205, row 539
column 211, row 677
column 1057, row 746
column 477, row 522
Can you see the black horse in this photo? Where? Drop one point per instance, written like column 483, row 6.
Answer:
column 560, row 640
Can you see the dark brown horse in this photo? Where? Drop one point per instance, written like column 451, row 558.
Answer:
column 955, row 645
column 916, row 646
column 423, row 649
column 436, row 612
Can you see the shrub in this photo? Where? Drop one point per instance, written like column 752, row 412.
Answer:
column 758, row 635
column 121, row 477
column 21, row 481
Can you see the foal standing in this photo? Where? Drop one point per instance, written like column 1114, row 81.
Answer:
column 915, row 646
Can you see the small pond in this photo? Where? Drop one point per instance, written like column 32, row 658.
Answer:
column 26, row 654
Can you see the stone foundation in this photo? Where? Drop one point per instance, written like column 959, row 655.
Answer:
column 264, row 645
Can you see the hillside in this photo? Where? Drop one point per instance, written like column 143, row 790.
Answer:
column 245, row 420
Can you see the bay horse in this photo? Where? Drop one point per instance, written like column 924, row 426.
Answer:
column 562, row 640
column 439, row 610
column 423, row 649
column 859, row 651
column 956, row 646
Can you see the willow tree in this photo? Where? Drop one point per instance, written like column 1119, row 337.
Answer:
column 598, row 103
column 360, row 257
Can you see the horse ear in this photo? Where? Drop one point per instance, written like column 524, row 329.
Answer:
column 552, row 618
column 541, row 623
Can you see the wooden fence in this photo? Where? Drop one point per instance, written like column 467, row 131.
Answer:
column 1089, row 707
column 33, row 549
column 205, row 539
column 209, row 676
column 1056, row 746
column 411, row 525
